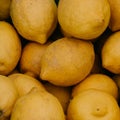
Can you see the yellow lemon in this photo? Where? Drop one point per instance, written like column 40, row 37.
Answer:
column 111, row 53
column 10, row 48
column 25, row 83
column 37, row 105
column 84, row 19
column 35, row 20
column 97, row 81
column 67, row 61
column 31, row 57
column 93, row 105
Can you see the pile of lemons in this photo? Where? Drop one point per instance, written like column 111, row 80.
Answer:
column 59, row 60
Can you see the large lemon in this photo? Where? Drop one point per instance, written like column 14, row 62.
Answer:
column 93, row 105
column 84, row 19
column 35, row 20
column 37, row 105
column 67, row 61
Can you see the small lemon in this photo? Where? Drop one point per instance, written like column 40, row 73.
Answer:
column 97, row 81
column 31, row 57
column 25, row 83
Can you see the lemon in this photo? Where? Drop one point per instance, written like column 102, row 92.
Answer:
column 93, row 105
column 31, row 57
column 67, row 61
column 25, row 83
column 84, row 19
column 97, row 81
column 35, row 20
column 37, row 105
column 10, row 48
column 110, row 53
